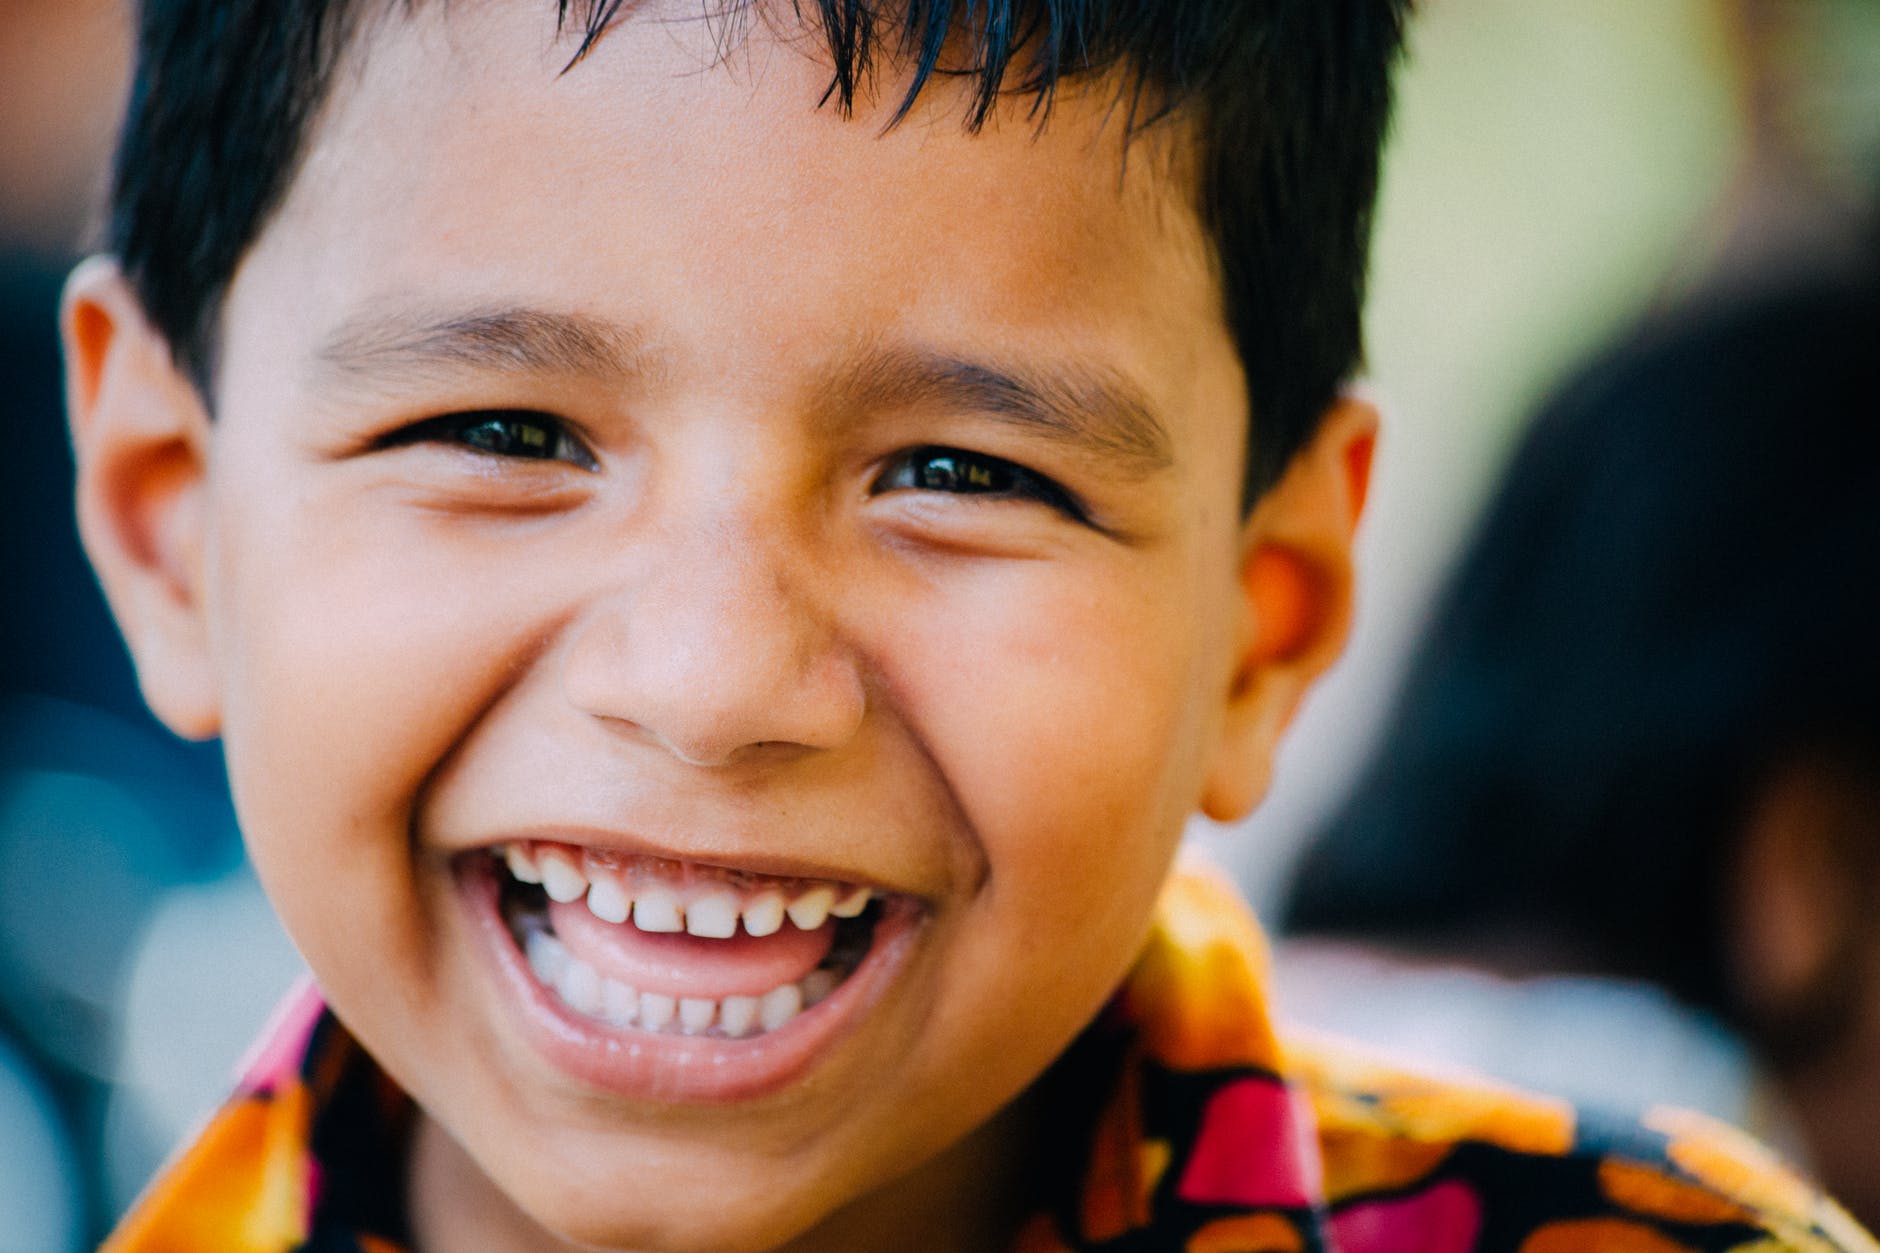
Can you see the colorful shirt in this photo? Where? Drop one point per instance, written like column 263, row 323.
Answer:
column 1196, row 1130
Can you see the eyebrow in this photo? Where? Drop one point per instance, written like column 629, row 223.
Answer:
column 1088, row 407
column 1084, row 405
column 380, row 347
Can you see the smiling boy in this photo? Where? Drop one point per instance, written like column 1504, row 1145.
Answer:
column 721, row 578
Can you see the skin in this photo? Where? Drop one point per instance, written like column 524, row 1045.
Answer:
column 1803, row 956
column 730, row 638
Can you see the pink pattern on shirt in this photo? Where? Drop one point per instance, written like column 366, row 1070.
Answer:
column 1256, row 1149
column 1443, row 1218
column 277, row 1055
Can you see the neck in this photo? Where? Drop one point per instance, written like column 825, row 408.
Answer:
column 1834, row 1098
column 969, row 1199
column 454, row 1205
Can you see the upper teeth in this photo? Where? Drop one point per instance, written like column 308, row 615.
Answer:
column 712, row 909
column 811, row 909
column 714, row 914
column 561, row 878
column 763, row 913
column 608, row 900
column 657, row 909
column 522, row 864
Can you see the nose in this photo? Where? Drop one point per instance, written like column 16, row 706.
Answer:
column 722, row 645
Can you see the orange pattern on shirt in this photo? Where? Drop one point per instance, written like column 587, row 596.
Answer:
column 242, row 1187
column 1198, row 991
column 1247, row 1233
column 1600, row 1235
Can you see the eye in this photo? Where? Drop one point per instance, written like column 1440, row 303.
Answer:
column 959, row 472
column 521, row 434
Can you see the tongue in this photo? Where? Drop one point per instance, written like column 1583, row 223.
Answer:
column 678, row 964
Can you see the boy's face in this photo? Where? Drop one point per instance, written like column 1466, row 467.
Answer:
column 734, row 620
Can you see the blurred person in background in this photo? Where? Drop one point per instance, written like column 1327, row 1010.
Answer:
column 1433, row 832
column 1642, row 739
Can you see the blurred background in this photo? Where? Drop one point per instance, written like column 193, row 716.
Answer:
column 1558, row 173
column 137, row 958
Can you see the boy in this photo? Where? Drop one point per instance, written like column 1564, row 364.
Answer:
column 720, row 585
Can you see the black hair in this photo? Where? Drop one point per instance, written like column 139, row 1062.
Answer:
column 1672, row 592
column 1289, row 99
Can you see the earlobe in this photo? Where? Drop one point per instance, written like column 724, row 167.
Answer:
column 1797, row 908
column 140, row 437
column 1296, row 599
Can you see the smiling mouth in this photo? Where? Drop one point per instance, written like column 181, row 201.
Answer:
column 650, row 946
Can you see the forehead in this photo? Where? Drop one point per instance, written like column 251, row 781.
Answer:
column 685, row 178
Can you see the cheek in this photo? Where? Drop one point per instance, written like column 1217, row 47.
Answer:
column 350, row 669
column 1066, row 714
column 1056, row 720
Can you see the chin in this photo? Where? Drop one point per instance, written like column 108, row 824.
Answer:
column 688, row 1220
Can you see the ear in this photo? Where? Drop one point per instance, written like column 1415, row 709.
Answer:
column 1798, row 899
column 1296, row 600
column 140, row 435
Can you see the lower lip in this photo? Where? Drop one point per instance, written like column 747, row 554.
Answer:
column 648, row 1066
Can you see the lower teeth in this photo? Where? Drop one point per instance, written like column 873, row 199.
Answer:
column 581, row 988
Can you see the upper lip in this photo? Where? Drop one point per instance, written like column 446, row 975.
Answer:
column 772, row 863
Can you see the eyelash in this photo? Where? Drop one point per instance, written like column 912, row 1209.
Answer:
column 509, row 434
column 957, row 471
column 527, row 435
